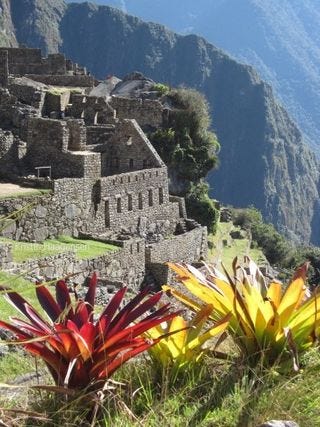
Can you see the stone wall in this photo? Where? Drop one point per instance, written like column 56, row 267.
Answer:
column 94, row 110
column 77, row 135
column 182, row 205
column 4, row 68
column 14, row 115
column 56, row 102
column 5, row 256
column 128, row 150
column 147, row 112
column 22, row 61
column 49, row 143
column 125, row 265
column 99, row 134
column 138, row 202
column 69, row 210
column 60, row 80
column 187, row 247
column 32, row 220
column 28, row 94
column 9, row 154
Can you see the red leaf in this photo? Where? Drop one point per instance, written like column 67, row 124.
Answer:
column 17, row 300
column 14, row 330
column 48, row 303
column 126, row 316
column 81, row 315
column 119, row 361
column 91, row 294
column 63, row 297
column 70, row 347
column 134, row 331
column 35, row 318
column 113, row 305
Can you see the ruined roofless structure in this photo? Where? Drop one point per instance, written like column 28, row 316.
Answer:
column 108, row 182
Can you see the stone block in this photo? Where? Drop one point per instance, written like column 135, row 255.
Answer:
column 41, row 211
column 40, row 234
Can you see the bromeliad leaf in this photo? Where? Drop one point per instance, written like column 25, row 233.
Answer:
column 182, row 345
column 81, row 352
column 266, row 323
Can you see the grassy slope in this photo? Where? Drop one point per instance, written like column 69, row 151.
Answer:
column 234, row 247
column 23, row 251
column 18, row 284
column 221, row 394
column 35, row 192
column 16, row 363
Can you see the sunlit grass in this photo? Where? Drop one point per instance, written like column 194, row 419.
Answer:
column 31, row 193
column 23, row 251
column 225, row 249
column 25, row 288
column 222, row 394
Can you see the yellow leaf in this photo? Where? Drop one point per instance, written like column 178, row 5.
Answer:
column 291, row 299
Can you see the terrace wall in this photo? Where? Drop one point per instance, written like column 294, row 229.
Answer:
column 125, row 265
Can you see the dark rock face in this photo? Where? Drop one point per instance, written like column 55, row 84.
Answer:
column 263, row 160
column 37, row 23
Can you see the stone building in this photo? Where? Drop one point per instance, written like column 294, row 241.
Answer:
column 107, row 181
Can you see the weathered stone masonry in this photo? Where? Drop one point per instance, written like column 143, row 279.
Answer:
column 108, row 182
column 125, row 265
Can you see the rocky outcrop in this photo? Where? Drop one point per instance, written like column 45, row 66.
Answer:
column 263, row 160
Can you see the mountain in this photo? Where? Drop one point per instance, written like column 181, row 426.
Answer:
column 37, row 22
column 7, row 31
column 264, row 161
column 279, row 38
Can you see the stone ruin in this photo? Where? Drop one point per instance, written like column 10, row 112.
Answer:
column 60, row 130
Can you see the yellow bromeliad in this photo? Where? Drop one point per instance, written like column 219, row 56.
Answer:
column 266, row 322
column 183, row 345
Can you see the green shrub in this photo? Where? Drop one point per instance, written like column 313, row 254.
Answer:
column 201, row 207
column 161, row 88
column 274, row 246
column 189, row 149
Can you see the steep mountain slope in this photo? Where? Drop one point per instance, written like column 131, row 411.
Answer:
column 279, row 38
column 7, row 34
column 37, row 22
column 263, row 159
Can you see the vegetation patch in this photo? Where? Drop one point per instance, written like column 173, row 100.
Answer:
column 31, row 193
column 224, row 248
column 17, row 283
column 245, row 378
column 279, row 251
column 161, row 88
column 189, row 149
column 23, row 251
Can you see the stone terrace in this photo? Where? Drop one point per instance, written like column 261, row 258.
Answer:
column 107, row 180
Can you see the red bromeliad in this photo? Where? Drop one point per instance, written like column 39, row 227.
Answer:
column 78, row 350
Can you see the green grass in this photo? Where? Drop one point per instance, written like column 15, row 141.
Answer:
column 31, row 193
column 18, row 363
column 221, row 394
column 23, row 251
column 14, row 364
column 19, row 284
column 235, row 247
